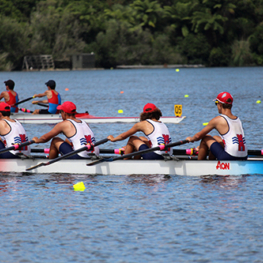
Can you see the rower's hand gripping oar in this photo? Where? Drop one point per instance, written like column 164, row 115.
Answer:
column 157, row 148
column 87, row 147
column 17, row 146
column 21, row 101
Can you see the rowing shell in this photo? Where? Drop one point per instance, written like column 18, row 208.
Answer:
column 123, row 167
column 55, row 118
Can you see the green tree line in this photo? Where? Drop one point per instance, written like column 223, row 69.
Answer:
column 209, row 32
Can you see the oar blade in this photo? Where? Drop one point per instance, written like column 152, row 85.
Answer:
column 36, row 166
column 100, row 161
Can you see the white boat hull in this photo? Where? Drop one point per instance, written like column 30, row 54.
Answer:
column 124, row 167
column 55, row 118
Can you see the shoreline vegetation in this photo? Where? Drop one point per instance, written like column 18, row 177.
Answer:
column 178, row 66
column 133, row 33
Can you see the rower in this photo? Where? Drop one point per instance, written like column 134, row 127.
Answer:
column 231, row 144
column 10, row 96
column 12, row 132
column 156, row 132
column 78, row 134
column 53, row 99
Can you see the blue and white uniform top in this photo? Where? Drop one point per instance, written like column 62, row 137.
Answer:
column 234, row 139
column 159, row 136
column 82, row 136
column 17, row 134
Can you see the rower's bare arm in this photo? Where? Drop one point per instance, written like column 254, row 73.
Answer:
column 40, row 95
column 4, row 95
column 200, row 135
column 39, row 101
column 54, row 132
column 126, row 134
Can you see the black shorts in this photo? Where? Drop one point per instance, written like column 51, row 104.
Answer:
column 44, row 111
column 220, row 154
column 150, row 155
column 66, row 148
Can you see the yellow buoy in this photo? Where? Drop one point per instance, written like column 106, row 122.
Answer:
column 79, row 186
column 120, row 111
column 177, row 70
column 205, row 123
column 186, row 96
column 258, row 101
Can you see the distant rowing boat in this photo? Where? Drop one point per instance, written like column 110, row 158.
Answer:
column 180, row 167
column 55, row 118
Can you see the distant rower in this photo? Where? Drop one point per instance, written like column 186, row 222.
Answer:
column 10, row 96
column 53, row 99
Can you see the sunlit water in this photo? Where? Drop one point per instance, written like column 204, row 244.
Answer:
column 138, row 218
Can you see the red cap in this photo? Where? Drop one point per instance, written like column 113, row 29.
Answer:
column 68, row 107
column 149, row 107
column 4, row 106
column 225, row 98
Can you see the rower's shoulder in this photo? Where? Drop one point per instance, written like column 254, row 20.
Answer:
column 4, row 92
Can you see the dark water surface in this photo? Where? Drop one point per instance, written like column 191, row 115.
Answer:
column 138, row 218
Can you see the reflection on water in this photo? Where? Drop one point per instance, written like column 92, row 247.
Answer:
column 226, row 182
column 149, row 179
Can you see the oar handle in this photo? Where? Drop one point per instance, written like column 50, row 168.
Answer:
column 87, row 147
column 16, row 146
column 46, row 150
column 25, row 110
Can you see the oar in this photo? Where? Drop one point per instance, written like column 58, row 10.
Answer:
column 86, row 147
column 121, row 151
column 29, row 111
column 26, row 110
column 255, row 152
column 46, row 150
column 17, row 146
column 21, row 101
column 118, row 151
column 42, row 104
column 160, row 147
column 115, row 151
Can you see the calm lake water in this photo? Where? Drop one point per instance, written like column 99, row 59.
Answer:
column 138, row 218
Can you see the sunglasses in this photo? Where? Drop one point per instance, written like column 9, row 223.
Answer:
column 216, row 102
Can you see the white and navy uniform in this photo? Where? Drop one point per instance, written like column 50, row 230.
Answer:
column 82, row 136
column 234, row 141
column 159, row 136
column 16, row 134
